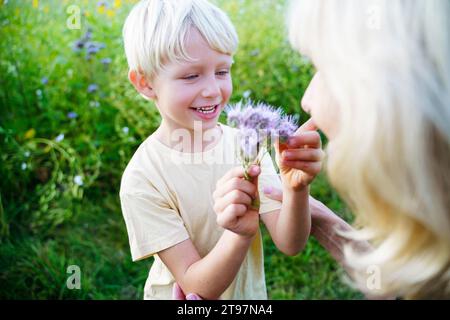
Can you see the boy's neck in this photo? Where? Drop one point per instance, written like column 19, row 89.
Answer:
column 189, row 140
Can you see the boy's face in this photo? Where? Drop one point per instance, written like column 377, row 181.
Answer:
column 193, row 91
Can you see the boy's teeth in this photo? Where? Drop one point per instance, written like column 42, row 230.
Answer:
column 206, row 109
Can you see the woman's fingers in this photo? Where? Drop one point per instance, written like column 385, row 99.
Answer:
column 177, row 292
column 273, row 193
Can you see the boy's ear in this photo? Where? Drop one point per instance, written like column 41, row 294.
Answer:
column 141, row 84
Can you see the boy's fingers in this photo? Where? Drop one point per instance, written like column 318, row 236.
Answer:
column 233, row 197
column 235, row 172
column 302, row 155
column 310, row 138
column 312, row 168
column 238, row 172
column 227, row 218
column 235, row 184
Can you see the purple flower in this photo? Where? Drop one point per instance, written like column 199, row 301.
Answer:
column 258, row 125
column 78, row 45
column 106, row 61
column 91, row 48
column 88, row 35
column 261, row 117
column 81, row 43
column 44, row 80
column 287, row 127
column 255, row 123
column 250, row 117
column 234, row 115
column 254, row 53
column 72, row 115
column 249, row 143
column 92, row 88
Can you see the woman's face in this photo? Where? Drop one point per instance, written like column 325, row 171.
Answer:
column 318, row 103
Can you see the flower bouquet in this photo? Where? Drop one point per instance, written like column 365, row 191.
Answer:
column 260, row 126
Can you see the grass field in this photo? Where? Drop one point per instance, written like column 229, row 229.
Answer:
column 69, row 123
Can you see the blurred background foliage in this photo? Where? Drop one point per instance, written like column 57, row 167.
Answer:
column 69, row 123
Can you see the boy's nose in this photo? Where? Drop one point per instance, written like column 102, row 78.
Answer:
column 211, row 89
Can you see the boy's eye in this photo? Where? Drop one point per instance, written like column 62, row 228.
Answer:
column 223, row 72
column 190, row 77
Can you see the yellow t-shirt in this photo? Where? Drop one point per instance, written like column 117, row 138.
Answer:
column 166, row 198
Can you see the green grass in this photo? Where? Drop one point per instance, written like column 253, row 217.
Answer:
column 59, row 201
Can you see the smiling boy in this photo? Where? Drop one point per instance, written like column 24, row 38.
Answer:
column 193, row 217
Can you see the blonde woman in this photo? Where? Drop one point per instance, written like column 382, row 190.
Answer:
column 382, row 97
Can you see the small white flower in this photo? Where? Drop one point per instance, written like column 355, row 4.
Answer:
column 125, row 130
column 78, row 180
column 247, row 94
column 39, row 92
column 24, row 166
column 26, row 154
column 94, row 104
column 60, row 137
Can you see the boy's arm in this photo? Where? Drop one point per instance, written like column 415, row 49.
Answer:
column 299, row 163
column 289, row 227
column 211, row 275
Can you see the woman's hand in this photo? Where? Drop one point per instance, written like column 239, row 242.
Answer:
column 301, row 158
column 178, row 294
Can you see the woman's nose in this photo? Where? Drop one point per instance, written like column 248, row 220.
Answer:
column 305, row 101
column 308, row 97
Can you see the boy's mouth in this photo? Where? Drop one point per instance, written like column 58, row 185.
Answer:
column 207, row 109
column 207, row 112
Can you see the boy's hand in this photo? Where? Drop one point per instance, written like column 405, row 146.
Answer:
column 301, row 157
column 233, row 201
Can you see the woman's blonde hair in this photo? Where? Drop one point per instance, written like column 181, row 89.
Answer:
column 155, row 32
column 386, row 63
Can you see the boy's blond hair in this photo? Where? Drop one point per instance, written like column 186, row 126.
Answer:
column 155, row 32
column 387, row 65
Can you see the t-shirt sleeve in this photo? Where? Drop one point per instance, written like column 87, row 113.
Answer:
column 268, row 177
column 151, row 223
